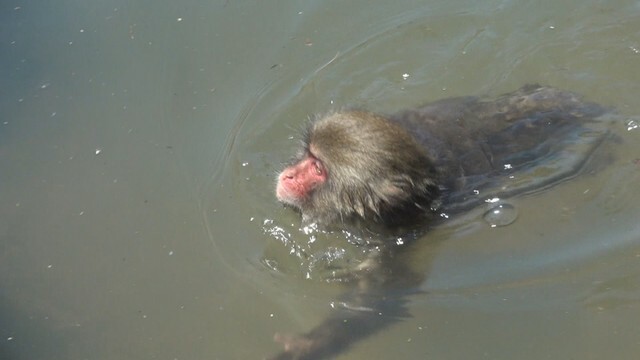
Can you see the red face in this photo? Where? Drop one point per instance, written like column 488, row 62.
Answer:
column 297, row 182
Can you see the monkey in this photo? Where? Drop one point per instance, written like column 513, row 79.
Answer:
column 403, row 171
column 398, row 170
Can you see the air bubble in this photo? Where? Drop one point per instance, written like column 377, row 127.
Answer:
column 501, row 215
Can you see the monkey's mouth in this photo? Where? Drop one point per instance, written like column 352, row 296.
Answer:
column 287, row 195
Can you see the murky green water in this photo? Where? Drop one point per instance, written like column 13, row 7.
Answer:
column 139, row 143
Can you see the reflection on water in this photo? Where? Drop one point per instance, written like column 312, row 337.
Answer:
column 154, row 247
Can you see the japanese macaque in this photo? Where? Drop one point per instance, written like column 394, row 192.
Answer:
column 401, row 171
column 398, row 170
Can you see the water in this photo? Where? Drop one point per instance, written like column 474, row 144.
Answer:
column 139, row 144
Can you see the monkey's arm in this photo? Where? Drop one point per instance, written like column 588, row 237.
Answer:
column 356, row 317
column 377, row 299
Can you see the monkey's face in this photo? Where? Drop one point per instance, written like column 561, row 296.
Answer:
column 297, row 182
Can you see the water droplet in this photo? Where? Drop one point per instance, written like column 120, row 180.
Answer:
column 501, row 215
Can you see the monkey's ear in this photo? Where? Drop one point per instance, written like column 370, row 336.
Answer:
column 402, row 189
column 391, row 191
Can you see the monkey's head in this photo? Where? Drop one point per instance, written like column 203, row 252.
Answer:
column 360, row 166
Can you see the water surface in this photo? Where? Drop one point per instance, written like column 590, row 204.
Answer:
column 139, row 144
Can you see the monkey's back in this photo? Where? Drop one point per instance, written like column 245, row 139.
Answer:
column 520, row 142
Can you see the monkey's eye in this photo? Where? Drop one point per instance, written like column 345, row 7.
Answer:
column 317, row 166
